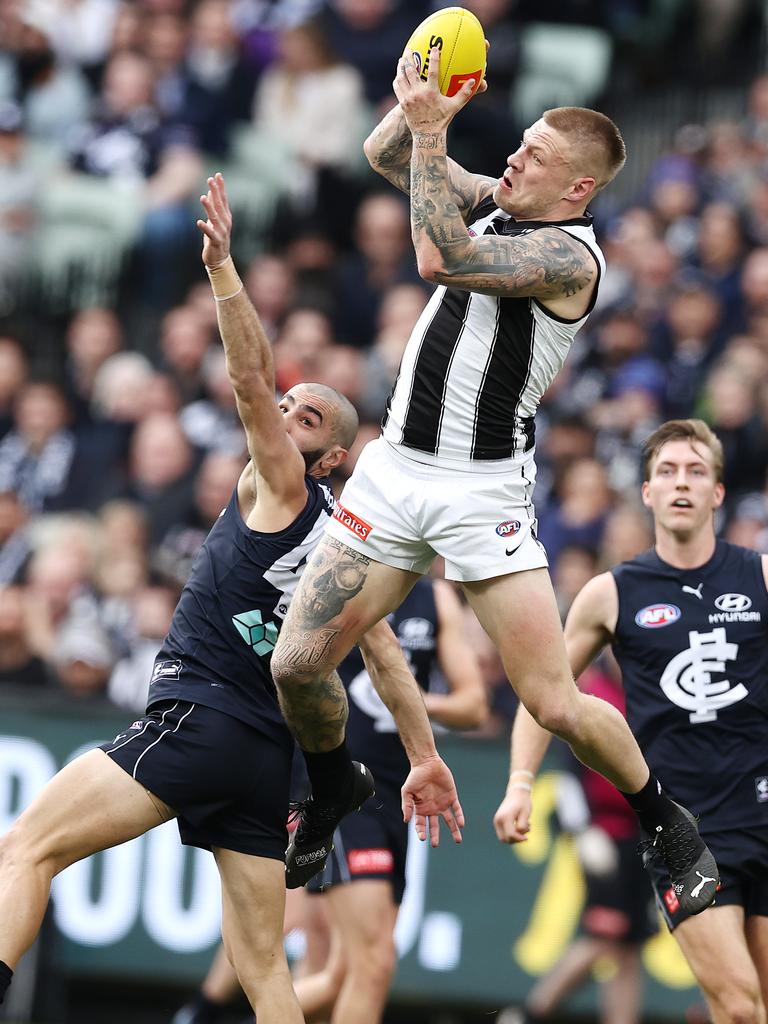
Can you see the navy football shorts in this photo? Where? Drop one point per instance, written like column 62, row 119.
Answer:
column 742, row 857
column 227, row 781
column 620, row 906
column 371, row 843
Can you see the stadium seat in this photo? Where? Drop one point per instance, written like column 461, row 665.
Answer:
column 87, row 226
column 560, row 65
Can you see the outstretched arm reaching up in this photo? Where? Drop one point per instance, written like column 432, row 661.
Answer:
column 272, row 490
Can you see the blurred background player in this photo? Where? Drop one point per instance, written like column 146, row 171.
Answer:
column 370, row 850
column 687, row 623
column 619, row 912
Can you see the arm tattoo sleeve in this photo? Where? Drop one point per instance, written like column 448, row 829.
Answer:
column 547, row 263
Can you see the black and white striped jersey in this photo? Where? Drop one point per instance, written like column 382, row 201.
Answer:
column 476, row 366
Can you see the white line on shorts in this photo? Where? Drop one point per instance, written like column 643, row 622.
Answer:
column 186, row 713
column 142, row 731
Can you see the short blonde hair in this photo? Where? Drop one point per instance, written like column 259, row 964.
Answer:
column 597, row 140
column 693, row 431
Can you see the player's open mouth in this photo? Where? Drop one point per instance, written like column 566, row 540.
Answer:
column 504, row 183
column 681, row 503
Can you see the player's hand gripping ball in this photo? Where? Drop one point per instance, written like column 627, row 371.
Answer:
column 459, row 37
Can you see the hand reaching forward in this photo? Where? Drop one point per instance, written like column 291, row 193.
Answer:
column 217, row 230
column 429, row 793
column 512, row 820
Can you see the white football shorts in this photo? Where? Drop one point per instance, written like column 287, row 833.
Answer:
column 405, row 513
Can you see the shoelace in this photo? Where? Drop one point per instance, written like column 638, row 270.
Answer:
column 314, row 819
column 676, row 844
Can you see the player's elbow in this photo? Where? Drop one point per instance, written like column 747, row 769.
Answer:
column 371, row 152
column 429, row 268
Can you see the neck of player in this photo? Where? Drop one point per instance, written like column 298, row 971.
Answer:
column 685, row 549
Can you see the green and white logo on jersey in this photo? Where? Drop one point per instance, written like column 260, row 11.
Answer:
column 260, row 635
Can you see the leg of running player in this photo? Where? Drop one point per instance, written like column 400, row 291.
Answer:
column 364, row 914
column 253, row 908
column 519, row 613
column 90, row 805
column 715, row 946
column 621, row 995
column 323, row 968
column 756, row 929
column 567, row 974
column 340, row 596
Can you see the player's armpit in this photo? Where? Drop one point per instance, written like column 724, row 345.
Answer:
column 591, row 621
column 545, row 264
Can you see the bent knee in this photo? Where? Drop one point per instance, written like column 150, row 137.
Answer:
column 20, row 850
column 738, row 1003
column 560, row 719
column 375, row 960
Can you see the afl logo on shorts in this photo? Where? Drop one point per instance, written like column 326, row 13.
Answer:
column 654, row 616
column 509, row 528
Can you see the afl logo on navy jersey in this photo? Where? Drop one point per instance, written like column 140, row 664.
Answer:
column 654, row 616
column 733, row 602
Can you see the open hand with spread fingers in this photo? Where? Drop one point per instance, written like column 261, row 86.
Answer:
column 428, row 794
column 217, row 229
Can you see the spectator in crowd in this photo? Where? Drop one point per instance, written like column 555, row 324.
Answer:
column 582, row 504
column 129, row 681
column 129, row 141
column 184, row 342
column 212, row 423
column 19, row 187
column 218, row 476
column 50, row 466
column 302, row 346
column 162, row 470
column 383, row 258
column 19, row 665
column 13, row 375
column 14, row 541
column 271, row 288
column 93, row 336
column 312, row 104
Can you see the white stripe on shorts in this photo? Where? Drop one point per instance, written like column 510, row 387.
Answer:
column 185, row 715
column 141, row 731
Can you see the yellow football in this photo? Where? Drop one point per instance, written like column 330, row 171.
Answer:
column 459, row 37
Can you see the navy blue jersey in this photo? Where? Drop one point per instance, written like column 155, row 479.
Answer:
column 693, row 649
column 371, row 731
column 225, row 626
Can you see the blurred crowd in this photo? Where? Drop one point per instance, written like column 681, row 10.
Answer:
column 119, row 438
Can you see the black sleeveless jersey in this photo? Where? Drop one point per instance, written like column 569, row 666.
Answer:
column 371, row 731
column 693, row 649
column 225, row 626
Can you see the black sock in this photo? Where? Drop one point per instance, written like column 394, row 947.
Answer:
column 208, row 1010
column 5, row 979
column 330, row 773
column 652, row 805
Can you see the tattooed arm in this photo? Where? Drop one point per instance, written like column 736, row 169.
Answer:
column 547, row 263
column 389, row 148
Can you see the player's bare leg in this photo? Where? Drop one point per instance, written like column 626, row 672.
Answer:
column 253, row 908
column 90, row 805
column 756, row 930
column 364, row 914
column 342, row 593
column 715, row 946
column 621, row 996
column 519, row 613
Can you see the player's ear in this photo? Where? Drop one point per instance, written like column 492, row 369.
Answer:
column 719, row 494
column 333, row 458
column 644, row 493
column 581, row 189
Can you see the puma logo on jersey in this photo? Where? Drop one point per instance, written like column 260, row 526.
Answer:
column 696, row 891
column 696, row 591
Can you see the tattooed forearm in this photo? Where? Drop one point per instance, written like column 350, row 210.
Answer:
column 302, row 649
column 388, row 149
column 547, row 263
column 316, row 712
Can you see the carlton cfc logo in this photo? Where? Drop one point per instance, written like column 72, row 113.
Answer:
column 509, row 528
column 654, row 616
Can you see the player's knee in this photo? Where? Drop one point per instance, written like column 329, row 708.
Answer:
column 737, row 1002
column 559, row 719
column 374, row 961
column 19, row 851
